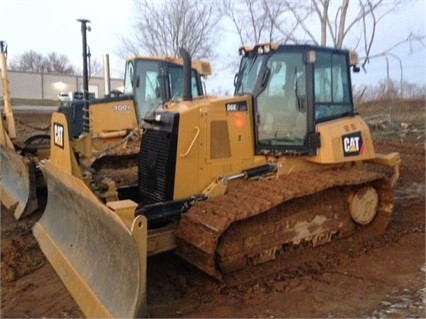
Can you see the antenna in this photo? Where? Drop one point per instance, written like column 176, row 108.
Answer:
column 84, row 29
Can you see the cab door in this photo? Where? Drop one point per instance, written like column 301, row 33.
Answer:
column 284, row 106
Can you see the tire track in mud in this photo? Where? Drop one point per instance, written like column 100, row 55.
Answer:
column 19, row 250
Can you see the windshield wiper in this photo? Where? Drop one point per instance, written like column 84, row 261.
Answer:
column 300, row 100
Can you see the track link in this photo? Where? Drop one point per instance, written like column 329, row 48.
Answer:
column 253, row 221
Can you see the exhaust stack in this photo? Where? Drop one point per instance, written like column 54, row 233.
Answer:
column 107, row 75
column 187, row 93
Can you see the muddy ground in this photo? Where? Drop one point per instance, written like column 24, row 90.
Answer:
column 352, row 277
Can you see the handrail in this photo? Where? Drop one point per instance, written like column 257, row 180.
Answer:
column 192, row 143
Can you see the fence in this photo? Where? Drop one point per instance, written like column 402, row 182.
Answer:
column 46, row 86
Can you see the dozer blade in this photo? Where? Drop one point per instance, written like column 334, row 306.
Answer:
column 17, row 183
column 101, row 262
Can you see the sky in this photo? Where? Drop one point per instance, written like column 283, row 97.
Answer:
column 51, row 25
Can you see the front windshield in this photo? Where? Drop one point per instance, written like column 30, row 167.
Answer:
column 142, row 81
column 248, row 73
column 153, row 82
column 147, row 86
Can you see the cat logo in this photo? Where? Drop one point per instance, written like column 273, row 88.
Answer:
column 352, row 144
column 58, row 130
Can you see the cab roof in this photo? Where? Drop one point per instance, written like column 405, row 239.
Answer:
column 203, row 68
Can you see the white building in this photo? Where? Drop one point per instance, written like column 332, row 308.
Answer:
column 47, row 86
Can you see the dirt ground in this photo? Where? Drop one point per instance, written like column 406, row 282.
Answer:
column 352, row 277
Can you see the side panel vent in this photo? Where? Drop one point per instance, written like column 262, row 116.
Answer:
column 220, row 146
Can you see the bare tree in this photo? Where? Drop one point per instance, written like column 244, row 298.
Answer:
column 95, row 68
column 28, row 61
column 253, row 19
column 388, row 89
column 163, row 27
column 335, row 23
column 338, row 22
column 351, row 24
column 32, row 61
column 58, row 63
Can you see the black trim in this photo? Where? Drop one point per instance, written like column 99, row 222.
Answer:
column 109, row 99
column 313, row 142
column 162, row 213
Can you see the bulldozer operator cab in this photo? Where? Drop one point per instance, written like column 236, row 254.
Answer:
column 154, row 81
column 148, row 82
column 294, row 88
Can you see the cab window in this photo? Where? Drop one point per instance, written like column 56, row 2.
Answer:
column 147, row 86
column 332, row 96
column 176, row 82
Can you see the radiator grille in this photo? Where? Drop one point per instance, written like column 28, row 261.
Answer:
column 157, row 162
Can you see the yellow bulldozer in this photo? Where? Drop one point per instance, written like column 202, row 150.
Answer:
column 105, row 130
column 225, row 182
column 19, row 155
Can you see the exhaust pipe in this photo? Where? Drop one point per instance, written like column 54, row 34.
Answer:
column 187, row 92
column 107, row 76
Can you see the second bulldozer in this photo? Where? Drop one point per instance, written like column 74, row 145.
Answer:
column 225, row 182
column 18, row 155
column 105, row 130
